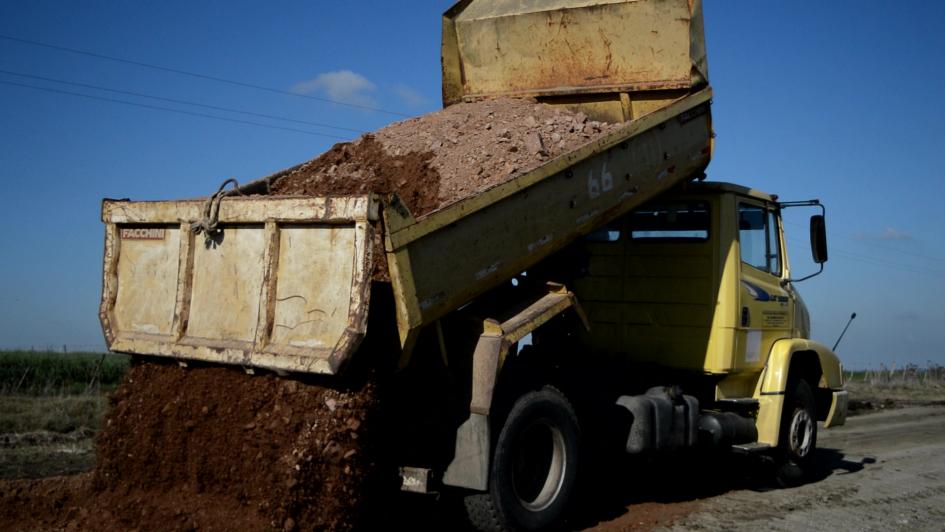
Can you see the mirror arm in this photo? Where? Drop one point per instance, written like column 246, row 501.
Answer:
column 823, row 212
column 785, row 282
column 806, row 203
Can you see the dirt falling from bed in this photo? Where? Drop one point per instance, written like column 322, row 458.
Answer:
column 214, row 448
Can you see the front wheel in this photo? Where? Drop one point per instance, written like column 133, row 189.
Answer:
column 798, row 437
column 534, row 468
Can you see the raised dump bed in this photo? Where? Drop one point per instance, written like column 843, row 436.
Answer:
column 449, row 257
column 284, row 282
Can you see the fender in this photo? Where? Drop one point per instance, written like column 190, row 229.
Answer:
column 470, row 465
column 774, row 379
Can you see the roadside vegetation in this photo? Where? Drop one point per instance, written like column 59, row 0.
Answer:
column 891, row 386
column 45, row 373
column 51, row 406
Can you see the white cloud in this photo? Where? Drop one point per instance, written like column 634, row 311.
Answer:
column 343, row 86
column 894, row 234
column 907, row 316
column 411, row 97
column 889, row 233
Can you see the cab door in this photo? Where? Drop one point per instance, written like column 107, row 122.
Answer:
column 765, row 305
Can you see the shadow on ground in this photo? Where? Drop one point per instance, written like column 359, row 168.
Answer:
column 689, row 478
column 661, row 488
column 652, row 490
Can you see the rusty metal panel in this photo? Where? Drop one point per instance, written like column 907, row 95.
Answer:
column 248, row 209
column 567, row 47
column 310, row 312
column 285, row 287
column 227, row 278
column 148, row 261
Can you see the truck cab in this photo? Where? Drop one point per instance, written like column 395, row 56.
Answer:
column 698, row 283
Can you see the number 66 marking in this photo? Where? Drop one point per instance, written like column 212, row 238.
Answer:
column 596, row 186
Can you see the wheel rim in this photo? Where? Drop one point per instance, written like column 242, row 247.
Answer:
column 540, row 464
column 801, row 433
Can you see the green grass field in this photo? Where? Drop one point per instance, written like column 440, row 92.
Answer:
column 50, row 373
column 51, row 406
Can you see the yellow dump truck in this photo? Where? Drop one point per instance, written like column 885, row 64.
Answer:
column 656, row 305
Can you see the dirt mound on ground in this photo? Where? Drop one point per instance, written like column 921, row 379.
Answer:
column 214, row 448
column 442, row 157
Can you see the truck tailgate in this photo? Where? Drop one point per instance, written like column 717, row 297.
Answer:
column 284, row 286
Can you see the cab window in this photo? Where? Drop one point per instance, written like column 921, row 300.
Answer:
column 675, row 221
column 758, row 238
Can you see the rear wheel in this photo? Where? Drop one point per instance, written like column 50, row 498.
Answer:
column 534, row 467
column 798, row 437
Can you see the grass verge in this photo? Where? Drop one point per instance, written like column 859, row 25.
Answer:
column 51, row 407
column 50, row 373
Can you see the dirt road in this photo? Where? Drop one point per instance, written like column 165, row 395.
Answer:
column 883, row 471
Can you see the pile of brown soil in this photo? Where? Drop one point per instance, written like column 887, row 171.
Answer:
column 214, row 448
column 364, row 166
column 439, row 158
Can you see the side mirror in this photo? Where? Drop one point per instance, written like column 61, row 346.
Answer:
column 818, row 238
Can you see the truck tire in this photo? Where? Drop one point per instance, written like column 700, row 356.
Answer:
column 798, row 437
column 534, row 468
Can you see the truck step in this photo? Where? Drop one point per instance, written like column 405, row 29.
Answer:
column 751, row 448
column 738, row 404
column 416, row 480
column 739, row 401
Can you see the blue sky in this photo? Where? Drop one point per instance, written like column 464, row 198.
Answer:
column 836, row 100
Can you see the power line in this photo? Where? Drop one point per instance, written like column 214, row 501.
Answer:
column 168, row 109
column 873, row 261
column 197, row 75
column 880, row 243
column 183, row 102
column 870, row 260
column 883, row 264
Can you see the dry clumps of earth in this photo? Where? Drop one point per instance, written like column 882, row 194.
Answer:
column 437, row 159
column 214, row 448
